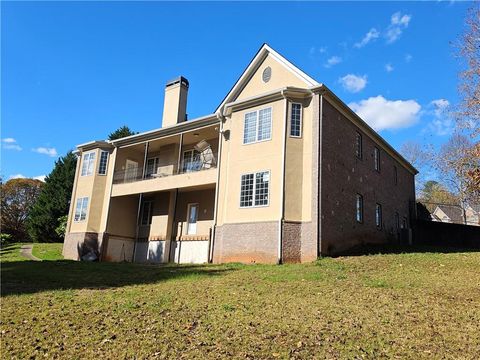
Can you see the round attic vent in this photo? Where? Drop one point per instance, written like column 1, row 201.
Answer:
column 267, row 74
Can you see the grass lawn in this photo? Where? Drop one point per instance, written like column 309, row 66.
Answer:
column 415, row 305
column 46, row 251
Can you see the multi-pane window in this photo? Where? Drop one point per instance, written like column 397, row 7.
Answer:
column 378, row 215
column 296, row 120
column 395, row 175
column 81, row 209
column 376, row 159
column 146, row 216
column 102, row 167
column 257, row 126
column 246, row 190
column 358, row 145
column 191, row 161
column 152, row 164
column 254, row 189
column 359, row 208
column 88, row 163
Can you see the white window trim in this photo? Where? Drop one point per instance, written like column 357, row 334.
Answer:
column 380, row 216
column 81, row 208
column 100, row 161
column 301, row 120
column 189, row 208
column 357, row 135
column 83, row 160
column 256, row 126
column 376, row 159
column 193, row 151
column 155, row 165
column 254, row 189
column 359, row 197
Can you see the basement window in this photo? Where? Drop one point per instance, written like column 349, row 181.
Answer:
column 257, row 126
column 81, row 209
column 88, row 163
column 254, row 189
column 296, row 120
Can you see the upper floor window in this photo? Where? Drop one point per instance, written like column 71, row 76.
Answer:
column 191, row 161
column 378, row 215
column 254, row 189
column 376, row 158
column 88, row 163
column 257, row 126
column 358, row 145
column 359, row 208
column 103, row 163
column 395, row 175
column 152, row 165
column 146, row 216
column 296, row 120
column 81, row 209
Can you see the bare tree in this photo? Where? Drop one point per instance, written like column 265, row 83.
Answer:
column 468, row 112
column 454, row 163
column 418, row 156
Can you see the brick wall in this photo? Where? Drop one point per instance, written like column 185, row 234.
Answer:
column 344, row 175
column 246, row 242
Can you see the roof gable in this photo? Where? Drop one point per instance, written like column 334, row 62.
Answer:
column 266, row 55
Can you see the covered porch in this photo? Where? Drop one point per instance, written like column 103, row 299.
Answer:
column 160, row 227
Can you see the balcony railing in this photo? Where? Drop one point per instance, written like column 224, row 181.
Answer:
column 136, row 173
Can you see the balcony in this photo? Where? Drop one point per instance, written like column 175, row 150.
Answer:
column 188, row 161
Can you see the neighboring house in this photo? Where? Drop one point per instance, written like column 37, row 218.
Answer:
column 282, row 171
column 454, row 214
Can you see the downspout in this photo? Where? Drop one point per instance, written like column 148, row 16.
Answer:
column 215, row 209
column 319, row 180
column 282, row 180
column 140, row 198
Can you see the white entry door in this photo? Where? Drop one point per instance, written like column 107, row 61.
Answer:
column 192, row 214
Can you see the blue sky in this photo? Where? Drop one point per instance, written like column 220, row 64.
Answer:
column 72, row 72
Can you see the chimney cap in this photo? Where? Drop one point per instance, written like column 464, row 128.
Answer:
column 178, row 80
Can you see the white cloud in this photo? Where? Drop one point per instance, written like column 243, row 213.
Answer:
column 40, row 177
column 353, row 83
column 16, row 176
column 382, row 114
column 369, row 36
column 398, row 23
column 11, row 144
column 334, row 60
column 442, row 124
column 46, row 151
column 389, row 67
column 408, row 58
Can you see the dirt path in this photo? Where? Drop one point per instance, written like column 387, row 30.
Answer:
column 26, row 251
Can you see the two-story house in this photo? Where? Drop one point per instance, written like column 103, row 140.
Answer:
column 282, row 171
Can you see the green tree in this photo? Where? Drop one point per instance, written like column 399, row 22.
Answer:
column 17, row 197
column 121, row 132
column 53, row 201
